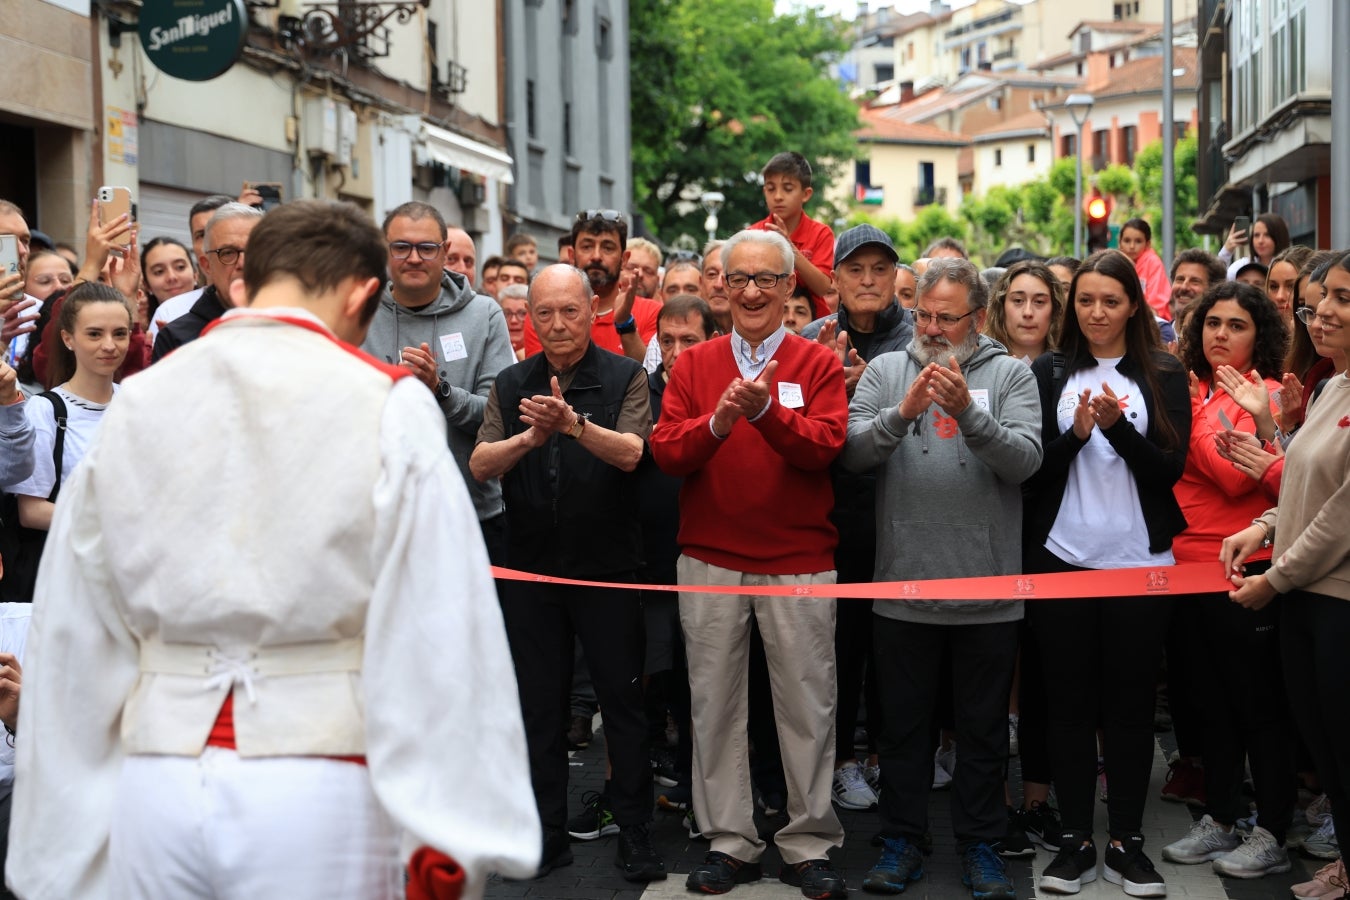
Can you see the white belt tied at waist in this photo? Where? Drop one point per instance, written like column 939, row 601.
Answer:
column 223, row 669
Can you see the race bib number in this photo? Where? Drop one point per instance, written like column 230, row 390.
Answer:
column 452, row 347
column 790, row 395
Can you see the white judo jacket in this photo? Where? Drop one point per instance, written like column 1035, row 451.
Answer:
column 265, row 512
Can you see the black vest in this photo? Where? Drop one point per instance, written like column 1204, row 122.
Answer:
column 567, row 512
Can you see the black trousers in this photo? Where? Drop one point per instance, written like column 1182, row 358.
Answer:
column 541, row 620
column 908, row 663
column 1101, row 658
column 854, row 669
column 1244, row 715
column 1186, row 677
column 1315, row 638
column 1032, row 703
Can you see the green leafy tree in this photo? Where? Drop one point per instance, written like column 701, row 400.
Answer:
column 1148, row 168
column 717, row 88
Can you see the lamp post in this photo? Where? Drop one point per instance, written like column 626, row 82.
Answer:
column 712, row 201
column 1078, row 105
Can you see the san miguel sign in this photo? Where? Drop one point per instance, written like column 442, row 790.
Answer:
column 195, row 40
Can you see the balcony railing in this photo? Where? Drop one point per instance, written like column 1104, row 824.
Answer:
column 928, row 195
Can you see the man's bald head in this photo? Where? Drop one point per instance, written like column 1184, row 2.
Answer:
column 460, row 255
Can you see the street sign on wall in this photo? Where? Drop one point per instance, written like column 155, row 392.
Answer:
column 195, row 40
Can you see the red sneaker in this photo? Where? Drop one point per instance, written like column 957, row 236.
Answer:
column 1185, row 783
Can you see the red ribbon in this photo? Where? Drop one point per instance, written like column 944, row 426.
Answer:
column 1188, row 578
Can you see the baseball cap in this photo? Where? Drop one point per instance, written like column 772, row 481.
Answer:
column 860, row 236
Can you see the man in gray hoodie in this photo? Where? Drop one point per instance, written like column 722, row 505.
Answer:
column 453, row 339
column 951, row 425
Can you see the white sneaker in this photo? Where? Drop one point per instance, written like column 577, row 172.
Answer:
column 1205, row 841
column 1321, row 844
column 851, row 790
column 1318, row 811
column 872, row 775
column 1260, row 854
column 944, row 767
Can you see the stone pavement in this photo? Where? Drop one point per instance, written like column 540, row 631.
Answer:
column 593, row 875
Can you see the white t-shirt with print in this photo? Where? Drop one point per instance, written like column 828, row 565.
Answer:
column 82, row 420
column 1100, row 523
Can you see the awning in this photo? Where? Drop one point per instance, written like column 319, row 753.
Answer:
column 459, row 152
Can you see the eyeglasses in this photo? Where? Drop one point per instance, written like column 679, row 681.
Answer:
column 945, row 321
column 425, row 250
column 514, row 313
column 765, row 281
column 228, row 256
column 604, row 215
column 1306, row 314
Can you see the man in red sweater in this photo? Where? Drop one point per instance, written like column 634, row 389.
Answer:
column 752, row 421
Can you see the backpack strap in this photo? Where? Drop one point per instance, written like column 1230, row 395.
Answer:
column 58, row 445
column 1058, row 363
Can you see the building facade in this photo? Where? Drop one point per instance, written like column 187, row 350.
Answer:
column 1265, row 114
column 567, row 99
column 320, row 101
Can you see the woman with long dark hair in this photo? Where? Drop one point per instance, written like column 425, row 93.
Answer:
column 1116, row 422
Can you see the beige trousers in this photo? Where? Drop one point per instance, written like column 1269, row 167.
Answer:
column 798, row 637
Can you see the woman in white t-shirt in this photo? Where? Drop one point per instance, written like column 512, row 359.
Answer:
column 1116, row 422
column 87, row 348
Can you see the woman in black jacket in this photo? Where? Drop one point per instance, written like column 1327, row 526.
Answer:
column 1116, row 423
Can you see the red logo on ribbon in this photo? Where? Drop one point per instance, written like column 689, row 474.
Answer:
column 1344, row 422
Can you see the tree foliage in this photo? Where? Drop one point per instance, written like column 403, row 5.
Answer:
column 717, row 88
column 1038, row 215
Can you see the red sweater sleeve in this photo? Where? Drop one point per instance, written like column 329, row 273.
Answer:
column 1157, row 286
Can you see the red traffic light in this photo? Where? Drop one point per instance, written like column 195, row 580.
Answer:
column 1097, row 208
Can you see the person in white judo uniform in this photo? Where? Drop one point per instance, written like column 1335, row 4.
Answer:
column 265, row 622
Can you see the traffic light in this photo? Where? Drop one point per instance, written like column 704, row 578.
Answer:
column 1097, row 210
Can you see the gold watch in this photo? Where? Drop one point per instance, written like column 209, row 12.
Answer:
column 577, row 428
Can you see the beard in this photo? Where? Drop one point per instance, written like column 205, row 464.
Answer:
column 939, row 350
column 601, row 278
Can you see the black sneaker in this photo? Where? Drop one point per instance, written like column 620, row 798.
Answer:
column 637, row 857
column 1041, row 825
column 985, row 874
column 816, row 877
column 719, row 873
column 1015, row 843
column 901, row 863
column 596, row 819
column 579, row 733
column 1073, row 866
column 556, row 852
column 663, row 767
column 1128, row 867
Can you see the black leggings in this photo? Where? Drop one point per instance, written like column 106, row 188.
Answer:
column 1315, row 638
column 1101, row 657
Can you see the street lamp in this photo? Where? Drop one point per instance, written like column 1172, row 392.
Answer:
column 1078, row 105
column 712, row 201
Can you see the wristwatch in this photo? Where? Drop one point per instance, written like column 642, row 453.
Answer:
column 577, row 428
column 628, row 326
column 443, row 389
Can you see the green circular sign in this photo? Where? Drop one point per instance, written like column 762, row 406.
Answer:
column 196, row 40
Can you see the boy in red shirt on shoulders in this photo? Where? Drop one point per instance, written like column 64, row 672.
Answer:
column 787, row 187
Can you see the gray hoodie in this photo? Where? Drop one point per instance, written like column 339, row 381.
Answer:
column 949, row 496
column 467, row 335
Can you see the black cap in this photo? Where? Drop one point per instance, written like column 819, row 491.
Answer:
column 860, row 236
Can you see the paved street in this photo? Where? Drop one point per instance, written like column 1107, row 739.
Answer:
column 593, row 876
